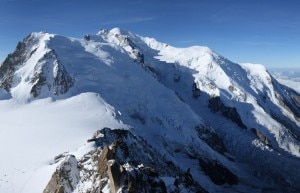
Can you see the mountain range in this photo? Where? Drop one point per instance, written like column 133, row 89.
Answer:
column 118, row 112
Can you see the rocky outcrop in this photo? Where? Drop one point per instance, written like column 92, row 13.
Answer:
column 196, row 91
column 120, row 162
column 13, row 61
column 217, row 105
column 131, row 48
column 65, row 178
column 297, row 100
column 126, row 177
column 260, row 136
column 211, row 138
column 218, row 173
column 50, row 74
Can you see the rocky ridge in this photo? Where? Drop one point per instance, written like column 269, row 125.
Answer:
column 122, row 162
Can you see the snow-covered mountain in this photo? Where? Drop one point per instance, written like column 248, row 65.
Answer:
column 172, row 119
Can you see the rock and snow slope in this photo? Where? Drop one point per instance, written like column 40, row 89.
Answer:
column 218, row 125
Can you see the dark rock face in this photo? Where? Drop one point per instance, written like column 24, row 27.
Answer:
column 211, row 138
column 62, row 80
column 115, row 173
column 218, row 173
column 87, row 37
column 13, row 61
column 260, row 136
column 196, row 91
column 216, row 105
column 49, row 64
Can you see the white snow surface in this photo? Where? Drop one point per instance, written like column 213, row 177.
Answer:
column 43, row 130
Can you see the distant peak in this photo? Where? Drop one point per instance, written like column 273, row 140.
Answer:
column 204, row 49
column 114, row 31
column 117, row 31
column 40, row 36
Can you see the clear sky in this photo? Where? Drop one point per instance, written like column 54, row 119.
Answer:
column 256, row 31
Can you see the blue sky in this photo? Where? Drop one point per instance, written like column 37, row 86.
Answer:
column 256, row 31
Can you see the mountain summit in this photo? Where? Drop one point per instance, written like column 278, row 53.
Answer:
column 160, row 118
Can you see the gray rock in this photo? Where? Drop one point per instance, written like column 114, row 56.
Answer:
column 260, row 136
column 65, row 178
column 217, row 105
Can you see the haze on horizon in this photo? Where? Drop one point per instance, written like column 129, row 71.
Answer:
column 265, row 32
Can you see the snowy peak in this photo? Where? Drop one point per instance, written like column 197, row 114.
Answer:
column 34, row 70
column 115, row 31
column 219, row 123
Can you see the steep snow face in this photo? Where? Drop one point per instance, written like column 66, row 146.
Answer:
column 246, row 94
column 249, row 88
column 186, row 103
column 106, row 68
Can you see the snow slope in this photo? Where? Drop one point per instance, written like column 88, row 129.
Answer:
column 187, row 100
column 33, row 134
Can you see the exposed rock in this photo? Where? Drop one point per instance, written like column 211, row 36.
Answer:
column 59, row 157
column 211, row 138
column 216, row 105
column 218, row 173
column 144, row 179
column 121, row 162
column 176, row 77
column 61, row 82
column 186, row 180
column 127, row 177
column 115, row 173
column 62, row 79
column 196, row 90
column 106, row 154
column 261, row 136
column 65, row 178
column 297, row 100
column 87, row 37
column 13, row 61
column 232, row 88
column 134, row 51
